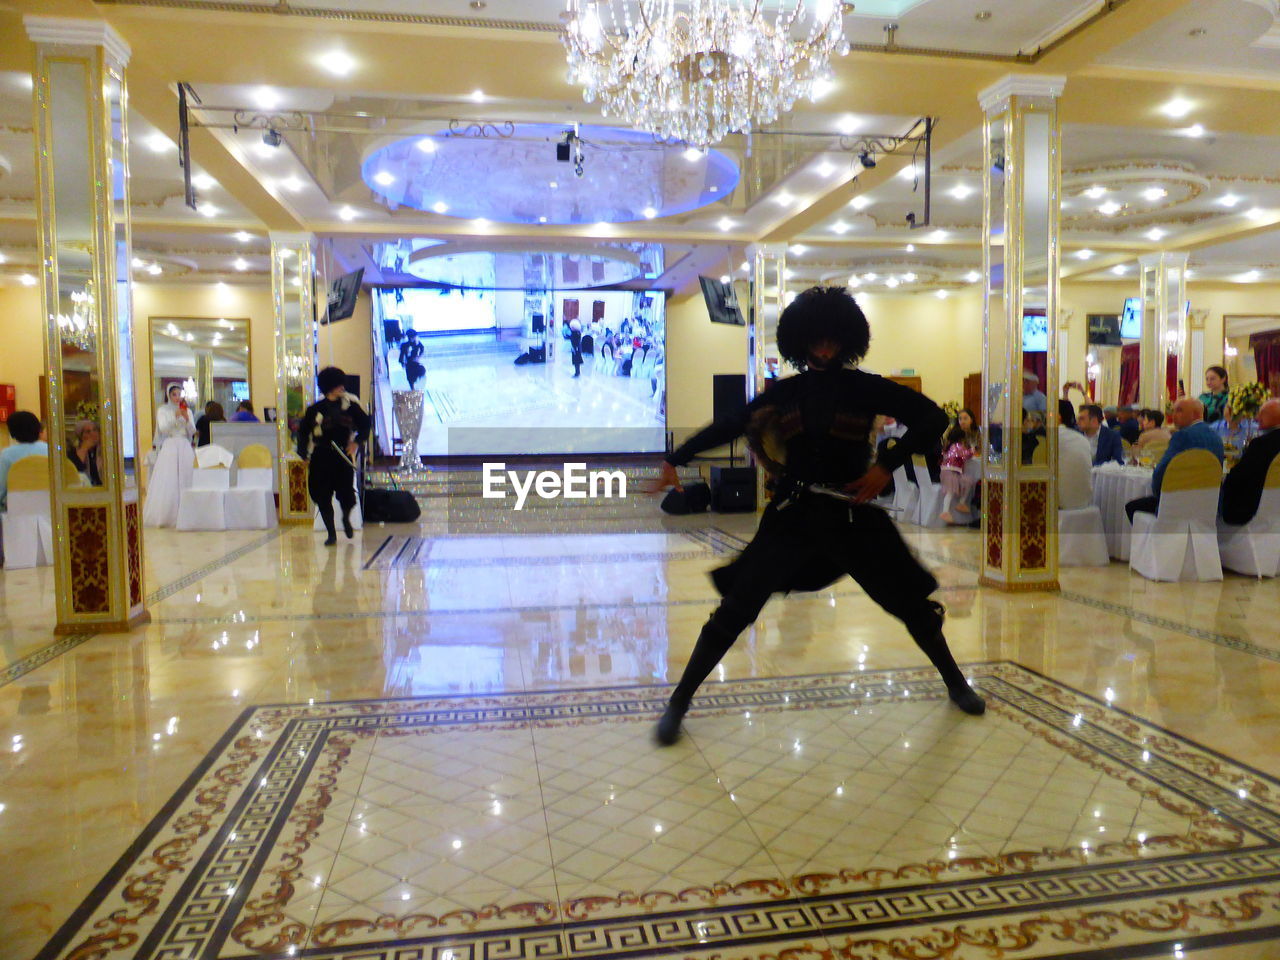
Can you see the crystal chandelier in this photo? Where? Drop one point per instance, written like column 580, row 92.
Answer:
column 696, row 70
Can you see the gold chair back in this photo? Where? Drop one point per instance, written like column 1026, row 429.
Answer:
column 254, row 457
column 1040, row 455
column 29, row 473
column 1192, row 470
column 1273, row 475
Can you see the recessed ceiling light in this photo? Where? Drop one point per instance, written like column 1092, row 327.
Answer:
column 1154, row 193
column 725, row 279
column 1256, row 213
column 1187, row 273
column 855, row 282
column 649, row 213
column 265, row 151
column 482, row 222
column 383, row 178
column 542, row 219
column 961, row 191
column 797, row 249
column 714, row 189
column 973, row 276
column 859, row 203
column 941, row 294
column 296, row 281
column 337, row 62
column 788, row 274
column 1176, row 108
column 784, row 199
column 821, row 87
column 159, row 143
column 891, row 283
column 1084, row 254
column 908, row 172
column 427, row 145
column 266, row 98
column 849, row 124
column 937, row 236
column 1155, row 233
column 27, row 280
column 909, row 277
column 138, row 263
column 911, row 248
column 1119, row 269
column 292, row 184
column 553, row 184
column 440, row 207
column 1249, row 276
column 1096, row 192
column 1230, row 200
column 1196, row 130
column 839, row 227
column 982, row 16
column 825, row 169
column 346, row 213
column 871, row 277
column 155, row 270
column 1109, row 209
column 202, row 181
column 207, row 210
column 241, row 263
column 693, row 154
column 745, row 267
column 477, row 96
column 725, row 224
column 242, row 236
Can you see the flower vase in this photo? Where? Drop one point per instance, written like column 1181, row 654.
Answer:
column 408, row 409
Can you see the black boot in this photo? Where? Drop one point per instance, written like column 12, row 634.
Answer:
column 928, row 637
column 668, row 730
column 331, row 539
column 346, row 526
column 713, row 643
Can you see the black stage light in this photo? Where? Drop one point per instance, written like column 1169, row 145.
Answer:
column 867, row 160
column 272, row 137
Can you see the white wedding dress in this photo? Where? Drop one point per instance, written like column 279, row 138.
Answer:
column 174, row 461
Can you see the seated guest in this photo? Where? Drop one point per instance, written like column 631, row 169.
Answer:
column 1104, row 442
column 244, row 413
column 1242, row 487
column 212, row 414
column 28, row 441
column 1128, row 426
column 1152, row 424
column 1075, row 462
column 1233, row 428
column 83, row 454
column 1033, row 397
column 1192, row 434
column 1112, row 416
column 1032, row 430
column 962, row 443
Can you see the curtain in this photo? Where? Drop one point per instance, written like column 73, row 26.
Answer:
column 1266, row 354
column 1171, row 377
column 1130, row 372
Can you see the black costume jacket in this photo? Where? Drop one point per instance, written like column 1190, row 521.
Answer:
column 332, row 422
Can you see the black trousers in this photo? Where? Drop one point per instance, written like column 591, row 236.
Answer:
column 809, row 545
column 1141, row 505
column 331, row 476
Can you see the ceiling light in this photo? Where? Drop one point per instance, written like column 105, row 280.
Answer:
column 1154, row 193
column 542, row 219
column 1084, row 254
column 839, row 227
column 1177, row 107
column 1256, row 213
column 1196, row 130
column 296, row 281
column 1249, row 276
column 427, row 145
column 820, row 88
column 1187, row 273
column 941, row 294
column 440, row 207
column 908, row 172
column 911, row 248
column 891, row 283
column 909, row 277
column 27, row 280
column 346, row 213
column 266, row 98
column 293, row 184
column 1154, row 234
column 1109, row 209
column 1230, row 200
column 725, row 279
column 337, row 62
column 859, row 203
column 848, row 124
column 138, row 263
column 159, row 143
column 242, row 236
column 693, row 154
column 973, row 276
column 264, row 150
column 870, row 277
column 384, row 179
column 649, row 213
column 825, row 169
column 1119, row 269
column 1096, row 192
column 937, row 236
column 189, row 338
column 798, row 249
column 207, row 210
column 745, row 267
column 477, row 96
column 202, row 181
column 482, row 222
column 784, row 199
column 961, row 191
column 855, row 282
column 241, row 263
column 3, row 258
column 553, row 185
column 725, row 224
column 788, row 274
column 155, row 270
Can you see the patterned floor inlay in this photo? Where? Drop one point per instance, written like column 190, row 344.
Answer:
column 855, row 816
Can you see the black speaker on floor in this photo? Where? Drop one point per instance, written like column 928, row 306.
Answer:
column 733, row 489
column 728, row 394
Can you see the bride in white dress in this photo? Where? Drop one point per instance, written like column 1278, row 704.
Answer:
column 174, row 461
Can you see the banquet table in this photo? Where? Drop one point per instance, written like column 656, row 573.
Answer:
column 1114, row 486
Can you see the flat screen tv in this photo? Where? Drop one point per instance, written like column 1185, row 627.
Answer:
column 1104, row 329
column 342, row 296
column 722, row 302
column 1131, row 319
column 1035, row 333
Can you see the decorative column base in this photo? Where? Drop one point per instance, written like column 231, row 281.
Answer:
column 104, row 626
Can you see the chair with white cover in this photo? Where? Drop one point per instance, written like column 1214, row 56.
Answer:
column 1082, row 539
column 251, row 503
column 905, row 495
column 202, row 505
column 28, row 519
column 1180, row 540
column 929, row 503
column 1254, row 548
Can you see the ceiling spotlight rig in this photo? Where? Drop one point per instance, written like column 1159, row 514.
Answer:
column 269, row 123
column 870, row 147
column 569, row 150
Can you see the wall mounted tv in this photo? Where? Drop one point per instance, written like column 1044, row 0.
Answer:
column 1104, row 329
column 1131, row 319
column 722, row 302
column 342, row 296
column 1035, row 333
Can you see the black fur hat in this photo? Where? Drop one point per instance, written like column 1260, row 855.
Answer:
column 823, row 313
column 330, row 379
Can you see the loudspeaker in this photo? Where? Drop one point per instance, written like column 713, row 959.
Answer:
column 539, row 323
column 694, row 498
column 733, row 489
column 728, row 394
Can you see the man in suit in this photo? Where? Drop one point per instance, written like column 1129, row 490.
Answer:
column 1192, row 434
column 1104, row 442
column 1242, row 487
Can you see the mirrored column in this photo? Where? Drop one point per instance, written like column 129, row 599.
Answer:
column 1165, row 327
column 83, row 213
column 1022, row 175
column 292, row 279
column 768, row 262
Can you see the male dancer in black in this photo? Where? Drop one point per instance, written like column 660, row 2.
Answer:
column 820, row 524
column 333, row 429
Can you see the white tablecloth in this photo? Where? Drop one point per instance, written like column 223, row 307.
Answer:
column 1113, row 487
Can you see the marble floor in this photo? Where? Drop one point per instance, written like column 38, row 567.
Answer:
column 434, row 742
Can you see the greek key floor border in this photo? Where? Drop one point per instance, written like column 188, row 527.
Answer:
column 185, row 885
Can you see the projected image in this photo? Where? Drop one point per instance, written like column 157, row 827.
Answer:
column 508, row 371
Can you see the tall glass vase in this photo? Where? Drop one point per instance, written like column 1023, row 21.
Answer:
column 408, row 408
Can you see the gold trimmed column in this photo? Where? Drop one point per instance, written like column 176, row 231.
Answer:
column 82, row 172
column 1165, row 325
column 292, row 277
column 768, row 296
column 1022, row 175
